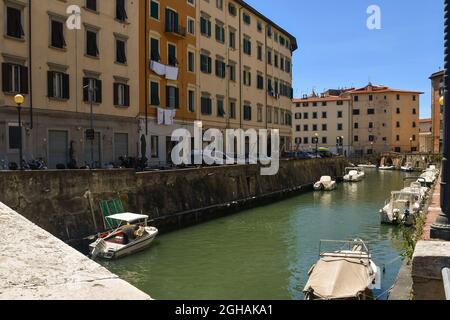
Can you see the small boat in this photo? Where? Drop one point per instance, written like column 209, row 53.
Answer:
column 354, row 174
column 386, row 168
column 131, row 236
column 402, row 208
column 325, row 184
column 418, row 186
column 345, row 274
column 430, row 175
column 407, row 167
column 367, row 166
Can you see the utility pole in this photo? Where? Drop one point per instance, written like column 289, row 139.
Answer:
column 441, row 228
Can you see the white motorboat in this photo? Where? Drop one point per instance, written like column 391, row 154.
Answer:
column 402, row 208
column 348, row 273
column 386, row 168
column 131, row 236
column 417, row 186
column 407, row 167
column 367, row 166
column 326, row 183
column 354, row 174
column 430, row 175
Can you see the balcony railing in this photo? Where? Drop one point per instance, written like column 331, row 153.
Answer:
column 177, row 30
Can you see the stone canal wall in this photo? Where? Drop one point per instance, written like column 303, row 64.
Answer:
column 34, row 265
column 66, row 203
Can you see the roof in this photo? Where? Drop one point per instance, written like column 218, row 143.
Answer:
column 321, row 99
column 128, row 217
column 294, row 45
column 437, row 74
column 370, row 88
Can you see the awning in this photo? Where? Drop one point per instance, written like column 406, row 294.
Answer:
column 128, row 217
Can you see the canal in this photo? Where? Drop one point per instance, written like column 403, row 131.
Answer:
column 265, row 253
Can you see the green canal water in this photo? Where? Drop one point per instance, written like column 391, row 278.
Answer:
column 265, row 253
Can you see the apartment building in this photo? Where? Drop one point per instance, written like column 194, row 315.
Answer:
column 384, row 119
column 325, row 117
column 168, row 75
column 244, row 69
column 426, row 136
column 61, row 72
column 437, row 91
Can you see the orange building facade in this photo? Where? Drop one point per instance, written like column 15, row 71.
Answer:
column 168, row 75
column 437, row 85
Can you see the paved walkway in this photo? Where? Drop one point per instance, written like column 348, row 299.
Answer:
column 433, row 210
column 34, row 265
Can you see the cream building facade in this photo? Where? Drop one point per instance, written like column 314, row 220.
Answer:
column 426, row 136
column 54, row 67
column 325, row 117
column 244, row 69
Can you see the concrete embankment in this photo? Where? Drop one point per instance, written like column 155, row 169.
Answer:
column 66, row 203
column 34, row 265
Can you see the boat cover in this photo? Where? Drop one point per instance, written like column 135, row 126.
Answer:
column 128, row 217
column 334, row 278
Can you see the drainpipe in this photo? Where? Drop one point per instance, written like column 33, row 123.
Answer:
column 441, row 228
column 241, row 111
column 266, row 89
column 30, row 67
column 146, row 67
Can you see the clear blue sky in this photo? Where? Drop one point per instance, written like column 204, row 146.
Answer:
column 337, row 49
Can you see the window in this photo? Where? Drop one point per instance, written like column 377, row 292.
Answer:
column 205, row 64
column 269, row 57
column 398, row 110
column 370, row 125
column 356, row 98
column 92, row 90
column 414, row 111
column 220, row 33
column 219, row 4
column 206, row 105
column 414, row 125
column 275, row 116
column 154, row 50
column 247, row 78
column 57, row 85
column 314, row 115
column 247, row 46
column 398, row 124
column 281, row 63
column 324, row 140
column 260, row 82
column 121, row 12
column 269, row 114
column 306, row 116
column 191, row 100
column 275, row 58
column 340, row 114
column 356, row 138
column 14, row 78
column 414, row 98
column 324, row 104
column 370, row 111
column 324, row 127
column 314, row 104
column 287, row 67
column 14, row 137
column 247, row 113
column 121, row 56
column 191, row 61
column 57, row 35
column 220, row 69
column 232, row 110
column 356, row 112
column 172, row 55
column 340, row 127
column 191, row 25
column 398, row 97
column 155, row 147
column 356, row 125
column 324, row 115
column 154, row 94
column 191, row 2
column 154, row 9
column 233, row 39
column 314, row 127
column 172, row 23
column 172, row 97
column 91, row 5
column 260, row 50
column 305, row 140
column 232, row 9
column 232, row 71
column 220, row 107
column 91, row 43
column 14, row 23
column 370, row 97
column 298, row 128
column 298, row 116
column 305, row 127
column 121, row 95
column 205, row 27
column 246, row 18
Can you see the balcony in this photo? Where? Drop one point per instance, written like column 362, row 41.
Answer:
column 176, row 30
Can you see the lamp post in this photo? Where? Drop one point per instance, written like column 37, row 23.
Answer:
column 19, row 100
column 441, row 228
column 316, row 139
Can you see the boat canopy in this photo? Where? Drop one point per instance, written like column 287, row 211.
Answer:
column 128, row 217
column 334, row 278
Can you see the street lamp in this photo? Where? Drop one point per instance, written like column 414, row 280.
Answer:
column 19, row 100
column 441, row 228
